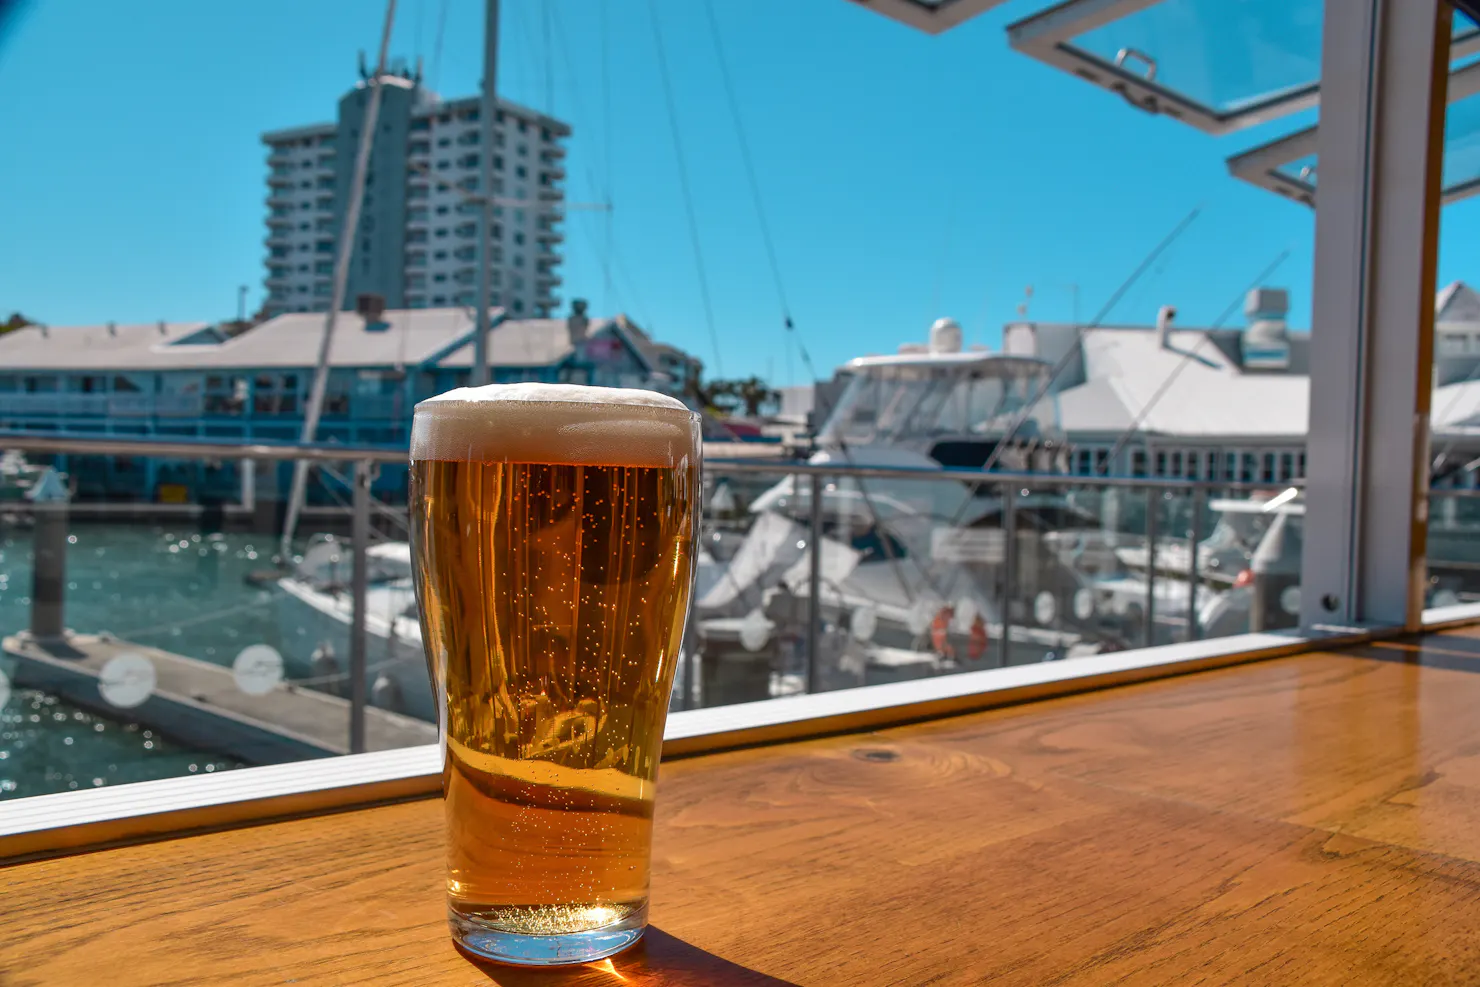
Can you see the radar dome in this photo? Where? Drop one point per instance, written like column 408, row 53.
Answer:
column 945, row 336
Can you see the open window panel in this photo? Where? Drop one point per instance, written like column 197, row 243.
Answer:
column 1216, row 65
column 1290, row 166
column 930, row 16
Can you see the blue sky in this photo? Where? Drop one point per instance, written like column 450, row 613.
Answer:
column 905, row 176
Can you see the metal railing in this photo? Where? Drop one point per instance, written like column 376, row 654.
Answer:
column 1012, row 492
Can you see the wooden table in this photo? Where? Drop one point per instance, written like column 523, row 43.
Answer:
column 1306, row 820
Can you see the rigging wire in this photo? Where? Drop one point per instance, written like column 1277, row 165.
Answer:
column 606, row 251
column 683, row 181
column 606, row 156
column 748, row 162
column 549, row 58
column 436, row 66
column 1130, row 430
column 1100, row 316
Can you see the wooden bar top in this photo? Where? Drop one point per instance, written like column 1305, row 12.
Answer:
column 1305, row 820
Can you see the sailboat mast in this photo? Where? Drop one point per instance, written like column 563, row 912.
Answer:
column 341, row 278
column 486, row 117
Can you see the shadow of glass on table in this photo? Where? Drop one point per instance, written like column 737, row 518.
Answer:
column 658, row 960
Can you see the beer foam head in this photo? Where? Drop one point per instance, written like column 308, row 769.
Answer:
column 555, row 423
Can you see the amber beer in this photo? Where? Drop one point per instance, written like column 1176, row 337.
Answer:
column 553, row 531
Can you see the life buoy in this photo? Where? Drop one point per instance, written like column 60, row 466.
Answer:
column 976, row 647
column 940, row 629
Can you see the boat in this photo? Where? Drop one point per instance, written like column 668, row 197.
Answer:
column 316, row 609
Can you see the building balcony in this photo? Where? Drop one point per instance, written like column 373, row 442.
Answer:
column 547, row 281
column 547, row 194
column 276, row 199
column 548, row 236
column 99, row 405
column 278, row 159
column 281, row 181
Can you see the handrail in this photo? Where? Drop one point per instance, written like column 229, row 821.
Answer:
column 198, row 449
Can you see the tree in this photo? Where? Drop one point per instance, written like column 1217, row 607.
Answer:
column 753, row 392
column 16, row 321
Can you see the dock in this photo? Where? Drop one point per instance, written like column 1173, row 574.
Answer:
column 199, row 704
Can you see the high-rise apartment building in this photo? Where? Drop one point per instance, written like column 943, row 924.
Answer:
column 417, row 240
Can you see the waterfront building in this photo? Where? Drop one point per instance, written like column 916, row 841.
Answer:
column 417, row 241
column 202, row 381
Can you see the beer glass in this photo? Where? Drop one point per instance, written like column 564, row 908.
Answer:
column 553, row 533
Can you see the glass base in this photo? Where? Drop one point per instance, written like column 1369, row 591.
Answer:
column 502, row 946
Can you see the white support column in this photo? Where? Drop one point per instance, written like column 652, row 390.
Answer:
column 1383, row 73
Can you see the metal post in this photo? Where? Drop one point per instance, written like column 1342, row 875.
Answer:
column 1384, row 76
column 360, row 537
column 1009, row 566
column 1194, row 536
column 49, row 570
column 814, row 588
column 1153, row 503
column 487, row 114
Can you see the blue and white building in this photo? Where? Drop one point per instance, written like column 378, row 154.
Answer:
column 197, row 380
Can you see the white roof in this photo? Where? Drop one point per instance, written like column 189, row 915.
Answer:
column 1209, row 396
column 1457, row 302
column 99, row 347
column 404, row 338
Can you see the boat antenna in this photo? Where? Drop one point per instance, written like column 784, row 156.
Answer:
column 1187, row 357
column 341, row 278
column 1105, row 310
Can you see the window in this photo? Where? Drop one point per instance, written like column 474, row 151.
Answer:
column 521, row 172
column 518, row 238
column 441, row 232
column 440, row 255
column 498, row 162
column 439, row 278
column 441, row 210
column 445, row 142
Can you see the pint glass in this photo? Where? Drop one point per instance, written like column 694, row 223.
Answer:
column 553, row 536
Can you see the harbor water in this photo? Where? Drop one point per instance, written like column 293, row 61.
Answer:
column 161, row 585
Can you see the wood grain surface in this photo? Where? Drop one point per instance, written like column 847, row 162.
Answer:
column 1308, row 820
